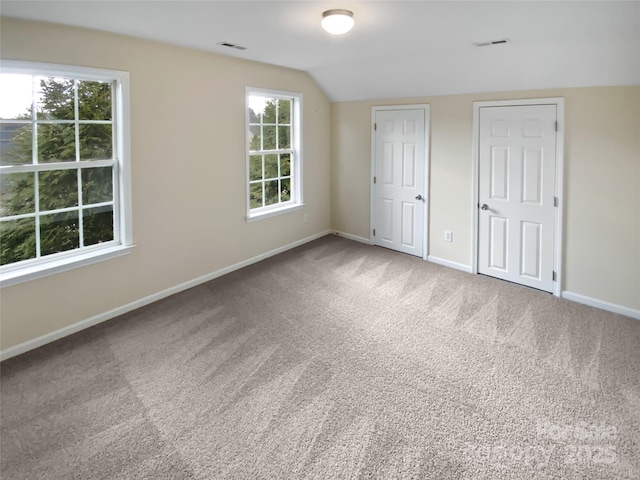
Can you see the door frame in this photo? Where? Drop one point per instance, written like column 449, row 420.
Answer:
column 559, row 186
column 427, row 162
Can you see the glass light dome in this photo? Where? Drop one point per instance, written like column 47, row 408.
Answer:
column 337, row 21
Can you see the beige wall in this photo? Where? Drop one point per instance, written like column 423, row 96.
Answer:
column 601, row 191
column 188, row 172
column 189, row 222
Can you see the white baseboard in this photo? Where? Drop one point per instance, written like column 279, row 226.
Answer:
column 356, row 238
column 449, row 263
column 601, row 304
column 90, row 322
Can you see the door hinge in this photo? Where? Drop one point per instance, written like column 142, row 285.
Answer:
column 375, row 126
column 555, row 201
column 374, row 179
column 374, row 232
column 554, row 276
column 556, row 125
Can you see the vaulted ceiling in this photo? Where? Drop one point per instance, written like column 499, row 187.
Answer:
column 397, row 48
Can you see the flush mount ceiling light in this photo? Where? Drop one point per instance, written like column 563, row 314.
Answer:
column 337, row 21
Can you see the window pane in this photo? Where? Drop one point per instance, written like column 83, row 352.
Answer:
column 95, row 142
column 283, row 137
column 94, row 100
column 271, row 166
column 16, row 144
column 255, row 167
column 254, row 138
column 255, row 195
column 56, row 143
column 16, row 96
column 285, row 190
column 269, row 141
column 256, row 105
column 17, row 194
column 271, row 193
column 270, row 111
column 58, row 189
column 97, row 225
column 17, row 240
column 285, row 164
column 54, row 98
column 59, row 232
column 284, row 111
column 97, row 185
column 254, row 117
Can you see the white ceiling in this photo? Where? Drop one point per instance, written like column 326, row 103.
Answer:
column 397, row 48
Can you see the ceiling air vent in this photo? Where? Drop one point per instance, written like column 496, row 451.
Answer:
column 232, row 45
column 493, row 42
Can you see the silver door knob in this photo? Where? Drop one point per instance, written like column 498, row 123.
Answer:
column 418, row 197
column 484, row 206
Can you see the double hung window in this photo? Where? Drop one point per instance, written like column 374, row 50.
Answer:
column 64, row 172
column 273, row 152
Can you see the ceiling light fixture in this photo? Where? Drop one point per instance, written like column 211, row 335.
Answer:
column 337, row 21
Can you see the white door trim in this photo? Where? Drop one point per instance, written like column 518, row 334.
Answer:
column 559, row 187
column 427, row 160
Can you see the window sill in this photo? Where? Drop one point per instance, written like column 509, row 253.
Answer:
column 252, row 217
column 33, row 272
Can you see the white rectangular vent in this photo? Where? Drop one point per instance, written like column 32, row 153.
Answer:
column 492, row 42
column 232, row 45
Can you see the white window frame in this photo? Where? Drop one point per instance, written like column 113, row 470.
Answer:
column 296, row 201
column 122, row 244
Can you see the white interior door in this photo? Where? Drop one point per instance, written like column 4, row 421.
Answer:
column 399, row 180
column 517, row 170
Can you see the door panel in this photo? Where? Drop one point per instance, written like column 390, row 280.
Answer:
column 500, row 173
column 387, row 163
column 400, row 164
column 409, row 165
column 531, row 235
column 409, row 127
column 498, row 243
column 408, row 222
column 517, row 184
column 387, row 219
column 499, row 128
column 532, row 177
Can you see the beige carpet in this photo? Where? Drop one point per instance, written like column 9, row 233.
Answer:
column 334, row 360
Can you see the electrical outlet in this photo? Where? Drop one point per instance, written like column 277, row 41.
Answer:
column 306, row 217
column 448, row 236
